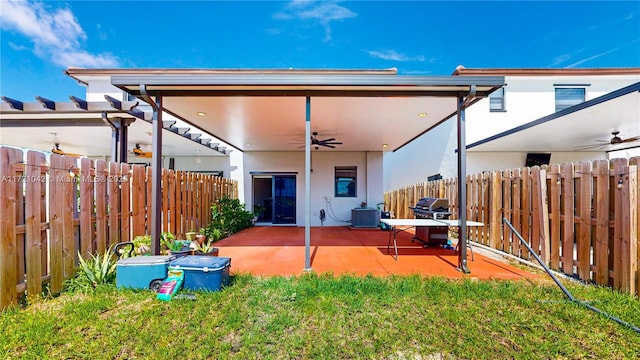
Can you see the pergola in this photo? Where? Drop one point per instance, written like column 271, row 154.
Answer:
column 255, row 110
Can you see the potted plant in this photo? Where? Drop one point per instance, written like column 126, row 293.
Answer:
column 201, row 238
column 174, row 246
column 206, row 248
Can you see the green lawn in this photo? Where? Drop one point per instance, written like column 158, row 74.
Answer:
column 322, row 317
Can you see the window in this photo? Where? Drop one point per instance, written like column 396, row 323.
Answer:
column 496, row 100
column 567, row 97
column 346, row 181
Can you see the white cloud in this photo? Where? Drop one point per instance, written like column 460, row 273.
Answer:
column 560, row 59
column 55, row 33
column 17, row 47
column 317, row 12
column 592, row 57
column 393, row 55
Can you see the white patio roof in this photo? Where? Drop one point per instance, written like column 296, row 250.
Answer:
column 265, row 110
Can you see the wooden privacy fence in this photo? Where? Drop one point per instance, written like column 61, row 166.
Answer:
column 52, row 209
column 581, row 218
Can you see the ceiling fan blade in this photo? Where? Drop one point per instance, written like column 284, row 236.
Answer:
column 331, row 143
column 325, row 140
column 631, row 139
column 329, row 146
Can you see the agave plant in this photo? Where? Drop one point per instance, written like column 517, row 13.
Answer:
column 99, row 269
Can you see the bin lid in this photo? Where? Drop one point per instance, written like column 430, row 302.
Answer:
column 201, row 262
column 146, row 260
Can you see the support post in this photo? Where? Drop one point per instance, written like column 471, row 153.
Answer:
column 156, row 168
column 307, row 187
column 462, row 189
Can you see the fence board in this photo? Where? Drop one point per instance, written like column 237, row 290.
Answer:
column 114, row 204
column 138, row 195
column 86, row 207
column 19, row 171
column 568, row 202
column 69, row 206
column 496, row 201
column 165, row 201
column 525, row 193
column 56, row 205
column 601, row 207
column 635, row 161
column 101, row 206
column 507, row 210
column 584, row 204
column 629, row 233
column 125, row 206
column 171, row 177
column 554, row 215
column 34, row 183
column 8, row 158
column 179, row 203
column 535, row 210
column 618, row 248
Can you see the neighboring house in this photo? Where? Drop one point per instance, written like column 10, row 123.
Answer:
column 532, row 119
column 82, row 127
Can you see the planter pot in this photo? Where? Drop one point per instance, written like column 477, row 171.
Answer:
column 200, row 239
column 191, row 236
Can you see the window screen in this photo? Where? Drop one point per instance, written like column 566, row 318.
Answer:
column 496, row 100
column 567, row 97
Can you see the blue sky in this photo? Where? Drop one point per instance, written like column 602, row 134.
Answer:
column 41, row 39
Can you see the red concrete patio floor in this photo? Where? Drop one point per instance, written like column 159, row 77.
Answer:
column 277, row 250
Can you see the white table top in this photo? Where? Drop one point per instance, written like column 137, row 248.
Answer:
column 427, row 222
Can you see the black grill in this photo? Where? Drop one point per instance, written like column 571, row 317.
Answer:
column 432, row 208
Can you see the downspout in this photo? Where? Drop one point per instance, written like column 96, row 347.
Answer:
column 114, row 137
column 156, row 168
column 462, row 179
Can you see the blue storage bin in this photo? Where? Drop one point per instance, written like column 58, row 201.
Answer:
column 142, row 272
column 207, row 273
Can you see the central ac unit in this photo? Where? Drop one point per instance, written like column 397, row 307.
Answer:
column 364, row 217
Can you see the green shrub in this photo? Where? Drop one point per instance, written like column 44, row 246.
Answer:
column 99, row 269
column 228, row 216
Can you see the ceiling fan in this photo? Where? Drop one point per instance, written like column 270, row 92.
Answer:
column 615, row 140
column 330, row 142
column 56, row 150
column 137, row 151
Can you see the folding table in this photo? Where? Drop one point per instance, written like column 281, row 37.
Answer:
column 398, row 225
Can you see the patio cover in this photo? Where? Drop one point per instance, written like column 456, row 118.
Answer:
column 587, row 126
column 261, row 110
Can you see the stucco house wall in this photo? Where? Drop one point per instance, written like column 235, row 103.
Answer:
column 337, row 209
column 527, row 98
